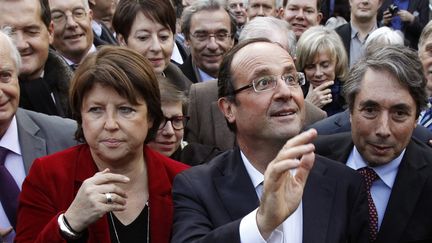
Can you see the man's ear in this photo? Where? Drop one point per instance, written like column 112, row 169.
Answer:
column 280, row 13
column 319, row 17
column 227, row 108
column 51, row 33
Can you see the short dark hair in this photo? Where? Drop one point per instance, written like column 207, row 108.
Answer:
column 201, row 5
column 160, row 11
column 45, row 12
column 124, row 70
column 225, row 82
column 398, row 60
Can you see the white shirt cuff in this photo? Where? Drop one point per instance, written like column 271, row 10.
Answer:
column 249, row 232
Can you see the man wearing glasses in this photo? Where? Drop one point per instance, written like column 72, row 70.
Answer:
column 209, row 30
column 73, row 35
column 272, row 187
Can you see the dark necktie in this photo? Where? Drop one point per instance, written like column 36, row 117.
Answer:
column 369, row 177
column 9, row 190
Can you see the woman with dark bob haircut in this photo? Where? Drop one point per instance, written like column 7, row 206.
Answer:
column 148, row 27
column 111, row 188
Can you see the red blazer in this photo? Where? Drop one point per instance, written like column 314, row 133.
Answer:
column 53, row 182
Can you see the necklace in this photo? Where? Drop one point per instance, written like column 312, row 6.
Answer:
column 148, row 224
column 115, row 229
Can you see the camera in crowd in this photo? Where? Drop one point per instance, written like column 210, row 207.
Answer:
column 393, row 9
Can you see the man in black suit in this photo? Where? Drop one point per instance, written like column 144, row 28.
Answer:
column 385, row 93
column 363, row 22
column 272, row 187
column 209, row 31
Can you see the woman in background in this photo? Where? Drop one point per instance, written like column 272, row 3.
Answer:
column 169, row 137
column 112, row 188
column 323, row 59
column 148, row 26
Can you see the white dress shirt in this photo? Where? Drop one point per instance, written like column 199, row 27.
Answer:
column 291, row 230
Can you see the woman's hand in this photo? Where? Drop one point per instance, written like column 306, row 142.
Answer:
column 321, row 95
column 90, row 203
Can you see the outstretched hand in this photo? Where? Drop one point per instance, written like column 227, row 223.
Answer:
column 284, row 181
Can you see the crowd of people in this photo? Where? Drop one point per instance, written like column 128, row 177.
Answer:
column 215, row 121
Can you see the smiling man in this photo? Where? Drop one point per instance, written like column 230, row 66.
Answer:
column 302, row 14
column 44, row 76
column 209, row 30
column 397, row 166
column 73, row 35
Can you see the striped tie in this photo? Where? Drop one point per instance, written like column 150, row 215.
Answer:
column 426, row 116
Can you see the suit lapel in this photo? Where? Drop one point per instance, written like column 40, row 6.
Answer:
column 317, row 204
column 32, row 146
column 405, row 193
column 235, row 188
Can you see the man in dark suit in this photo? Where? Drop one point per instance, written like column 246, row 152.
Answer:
column 73, row 35
column 268, row 188
column 24, row 136
column 383, row 116
column 363, row 22
column 209, row 31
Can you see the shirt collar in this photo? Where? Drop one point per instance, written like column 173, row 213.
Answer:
column 387, row 173
column 204, row 76
column 256, row 176
column 10, row 139
column 354, row 31
column 97, row 28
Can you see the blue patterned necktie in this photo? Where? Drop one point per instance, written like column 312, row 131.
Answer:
column 9, row 190
column 426, row 117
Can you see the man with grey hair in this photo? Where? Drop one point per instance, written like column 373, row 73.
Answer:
column 24, row 136
column 209, row 31
column 73, row 35
column 397, row 167
column 274, row 29
column 238, row 9
column 263, row 8
column 207, row 124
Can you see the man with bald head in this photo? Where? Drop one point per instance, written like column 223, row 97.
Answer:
column 272, row 187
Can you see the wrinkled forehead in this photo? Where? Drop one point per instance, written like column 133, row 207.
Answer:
column 261, row 55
